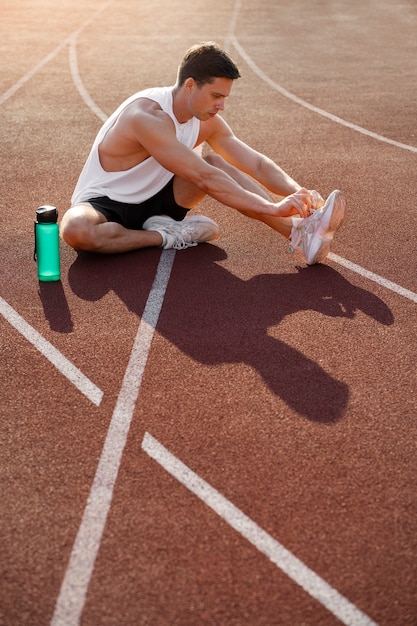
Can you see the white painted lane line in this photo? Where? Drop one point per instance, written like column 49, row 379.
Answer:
column 334, row 118
column 36, row 68
column 315, row 586
column 14, row 88
column 79, row 83
column 73, row 591
column 388, row 284
column 68, row 369
column 232, row 26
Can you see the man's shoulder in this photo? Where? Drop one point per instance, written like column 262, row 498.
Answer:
column 145, row 112
column 143, row 105
column 161, row 97
column 148, row 102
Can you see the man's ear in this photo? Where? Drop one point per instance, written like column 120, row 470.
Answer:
column 189, row 84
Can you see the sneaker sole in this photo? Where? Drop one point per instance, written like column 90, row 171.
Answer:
column 334, row 214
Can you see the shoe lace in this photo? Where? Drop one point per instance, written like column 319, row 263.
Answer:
column 181, row 243
column 306, row 227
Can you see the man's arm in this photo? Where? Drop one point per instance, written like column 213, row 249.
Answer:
column 155, row 132
column 225, row 143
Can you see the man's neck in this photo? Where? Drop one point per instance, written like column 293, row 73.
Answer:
column 179, row 105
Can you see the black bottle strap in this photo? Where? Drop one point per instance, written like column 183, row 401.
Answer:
column 35, row 254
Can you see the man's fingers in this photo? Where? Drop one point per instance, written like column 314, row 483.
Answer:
column 301, row 201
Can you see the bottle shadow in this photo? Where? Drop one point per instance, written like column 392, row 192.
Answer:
column 215, row 317
column 55, row 306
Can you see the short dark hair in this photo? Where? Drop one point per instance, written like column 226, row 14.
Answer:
column 204, row 62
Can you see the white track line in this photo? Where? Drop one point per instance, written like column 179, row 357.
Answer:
column 388, row 284
column 79, row 83
column 72, row 373
column 315, row 586
column 14, row 88
column 73, row 591
column 232, row 25
column 334, row 118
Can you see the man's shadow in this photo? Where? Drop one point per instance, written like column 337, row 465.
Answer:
column 215, row 317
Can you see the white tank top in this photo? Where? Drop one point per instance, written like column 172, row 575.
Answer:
column 143, row 180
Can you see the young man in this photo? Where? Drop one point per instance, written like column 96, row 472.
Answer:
column 142, row 175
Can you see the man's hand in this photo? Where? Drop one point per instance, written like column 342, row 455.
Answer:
column 299, row 203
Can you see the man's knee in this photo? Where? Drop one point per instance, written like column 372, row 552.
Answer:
column 215, row 160
column 76, row 231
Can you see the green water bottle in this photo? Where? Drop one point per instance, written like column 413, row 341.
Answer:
column 47, row 243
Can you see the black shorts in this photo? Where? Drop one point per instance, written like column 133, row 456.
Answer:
column 133, row 216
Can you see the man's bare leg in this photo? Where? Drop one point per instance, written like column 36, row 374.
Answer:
column 282, row 225
column 316, row 247
column 84, row 228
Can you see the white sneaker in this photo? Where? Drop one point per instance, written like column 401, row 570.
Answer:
column 313, row 235
column 185, row 233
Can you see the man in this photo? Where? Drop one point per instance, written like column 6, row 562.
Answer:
column 142, row 175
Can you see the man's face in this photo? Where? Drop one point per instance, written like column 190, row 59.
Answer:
column 206, row 101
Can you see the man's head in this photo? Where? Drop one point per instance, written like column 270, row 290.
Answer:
column 205, row 62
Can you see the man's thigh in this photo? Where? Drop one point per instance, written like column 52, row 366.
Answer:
column 83, row 212
column 186, row 194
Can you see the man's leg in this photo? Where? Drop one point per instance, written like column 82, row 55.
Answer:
column 186, row 194
column 313, row 235
column 282, row 225
column 84, row 228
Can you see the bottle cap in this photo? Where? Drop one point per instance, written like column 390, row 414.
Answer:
column 47, row 214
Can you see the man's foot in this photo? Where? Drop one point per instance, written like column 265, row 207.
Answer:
column 313, row 235
column 184, row 234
